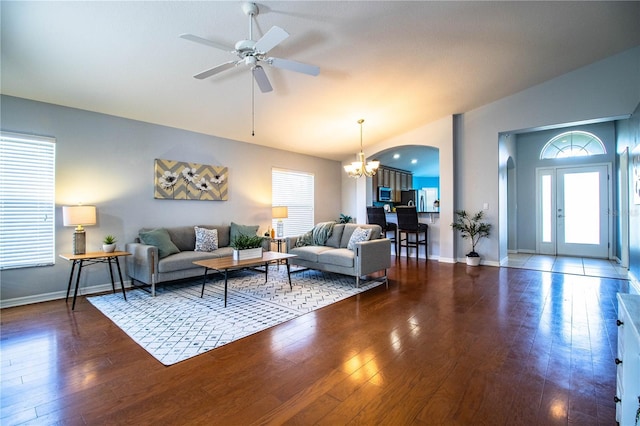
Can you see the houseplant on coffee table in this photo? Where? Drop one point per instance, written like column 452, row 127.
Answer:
column 247, row 246
column 472, row 228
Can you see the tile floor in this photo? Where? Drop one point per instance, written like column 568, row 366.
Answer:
column 569, row 265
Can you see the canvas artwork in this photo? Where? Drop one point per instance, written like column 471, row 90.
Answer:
column 177, row 180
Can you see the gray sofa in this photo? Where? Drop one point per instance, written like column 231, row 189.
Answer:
column 144, row 265
column 366, row 258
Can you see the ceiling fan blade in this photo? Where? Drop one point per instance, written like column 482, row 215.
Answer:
column 215, row 70
column 204, row 41
column 294, row 66
column 261, row 78
column 271, row 39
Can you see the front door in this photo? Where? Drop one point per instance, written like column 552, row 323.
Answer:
column 572, row 212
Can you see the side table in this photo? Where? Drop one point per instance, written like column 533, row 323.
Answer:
column 86, row 259
column 280, row 243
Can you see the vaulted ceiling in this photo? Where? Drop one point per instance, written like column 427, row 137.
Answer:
column 398, row 65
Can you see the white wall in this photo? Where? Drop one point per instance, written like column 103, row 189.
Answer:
column 438, row 134
column 606, row 89
column 473, row 165
column 108, row 161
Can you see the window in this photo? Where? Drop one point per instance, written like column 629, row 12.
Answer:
column 296, row 191
column 27, row 200
column 573, row 144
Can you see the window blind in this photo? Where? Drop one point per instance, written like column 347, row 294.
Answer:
column 296, row 191
column 27, row 200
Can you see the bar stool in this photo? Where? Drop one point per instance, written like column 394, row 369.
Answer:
column 376, row 216
column 408, row 225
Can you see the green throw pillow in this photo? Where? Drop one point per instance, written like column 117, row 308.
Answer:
column 161, row 239
column 305, row 239
column 248, row 230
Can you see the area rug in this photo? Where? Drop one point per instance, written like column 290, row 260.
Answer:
column 177, row 324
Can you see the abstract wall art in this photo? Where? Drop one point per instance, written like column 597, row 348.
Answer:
column 178, row 180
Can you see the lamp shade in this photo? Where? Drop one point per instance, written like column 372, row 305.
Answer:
column 78, row 215
column 280, row 212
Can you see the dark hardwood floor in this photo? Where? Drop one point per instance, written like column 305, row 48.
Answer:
column 444, row 345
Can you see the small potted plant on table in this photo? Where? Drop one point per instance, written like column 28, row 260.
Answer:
column 247, row 247
column 472, row 228
column 109, row 244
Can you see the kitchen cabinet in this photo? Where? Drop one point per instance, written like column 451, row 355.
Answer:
column 628, row 360
column 397, row 180
column 386, row 178
column 406, row 181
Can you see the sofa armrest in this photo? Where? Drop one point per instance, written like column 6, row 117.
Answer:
column 142, row 265
column 372, row 256
column 290, row 242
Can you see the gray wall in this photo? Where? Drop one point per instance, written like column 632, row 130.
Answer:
column 528, row 148
column 628, row 134
column 608, row 89
column 108, row 161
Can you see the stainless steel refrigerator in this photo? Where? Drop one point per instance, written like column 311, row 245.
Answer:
column 414, row 197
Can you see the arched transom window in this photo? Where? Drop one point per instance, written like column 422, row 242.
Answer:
column 573, row 144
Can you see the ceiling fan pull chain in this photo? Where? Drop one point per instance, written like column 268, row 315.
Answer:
column 253, row 109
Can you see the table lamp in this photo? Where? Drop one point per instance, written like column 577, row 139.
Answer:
column 79, row 216
column 280, row 212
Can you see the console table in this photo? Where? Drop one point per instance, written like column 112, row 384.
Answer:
column 628, row 360
column 86, row 259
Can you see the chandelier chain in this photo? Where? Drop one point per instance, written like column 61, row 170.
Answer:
column 359, row 168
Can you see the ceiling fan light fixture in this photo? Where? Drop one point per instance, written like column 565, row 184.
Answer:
column 359, row 168
column 251, row 53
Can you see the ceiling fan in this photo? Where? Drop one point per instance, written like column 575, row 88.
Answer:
column 252, row 53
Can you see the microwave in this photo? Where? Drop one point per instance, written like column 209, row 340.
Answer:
column 384, row 193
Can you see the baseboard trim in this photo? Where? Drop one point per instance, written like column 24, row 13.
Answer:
column 57, row 295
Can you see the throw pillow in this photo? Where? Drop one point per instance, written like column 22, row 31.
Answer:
column 160, row 238
column 249, row 230
column 358, row 236
column 305, row 239
column 206, row 239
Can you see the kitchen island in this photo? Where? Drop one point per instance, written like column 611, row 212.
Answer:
column 432, row 219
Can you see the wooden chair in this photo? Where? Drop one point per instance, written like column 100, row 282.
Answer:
column 408, row 225
column 376, row 215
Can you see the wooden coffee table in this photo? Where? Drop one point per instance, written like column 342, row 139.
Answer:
column 225, row 264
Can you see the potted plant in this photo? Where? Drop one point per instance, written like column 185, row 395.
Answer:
column 344, row 218
column 247, row 247
column 472, row 228
column 109, row 244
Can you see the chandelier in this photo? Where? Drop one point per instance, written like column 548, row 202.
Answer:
column 358, row 168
